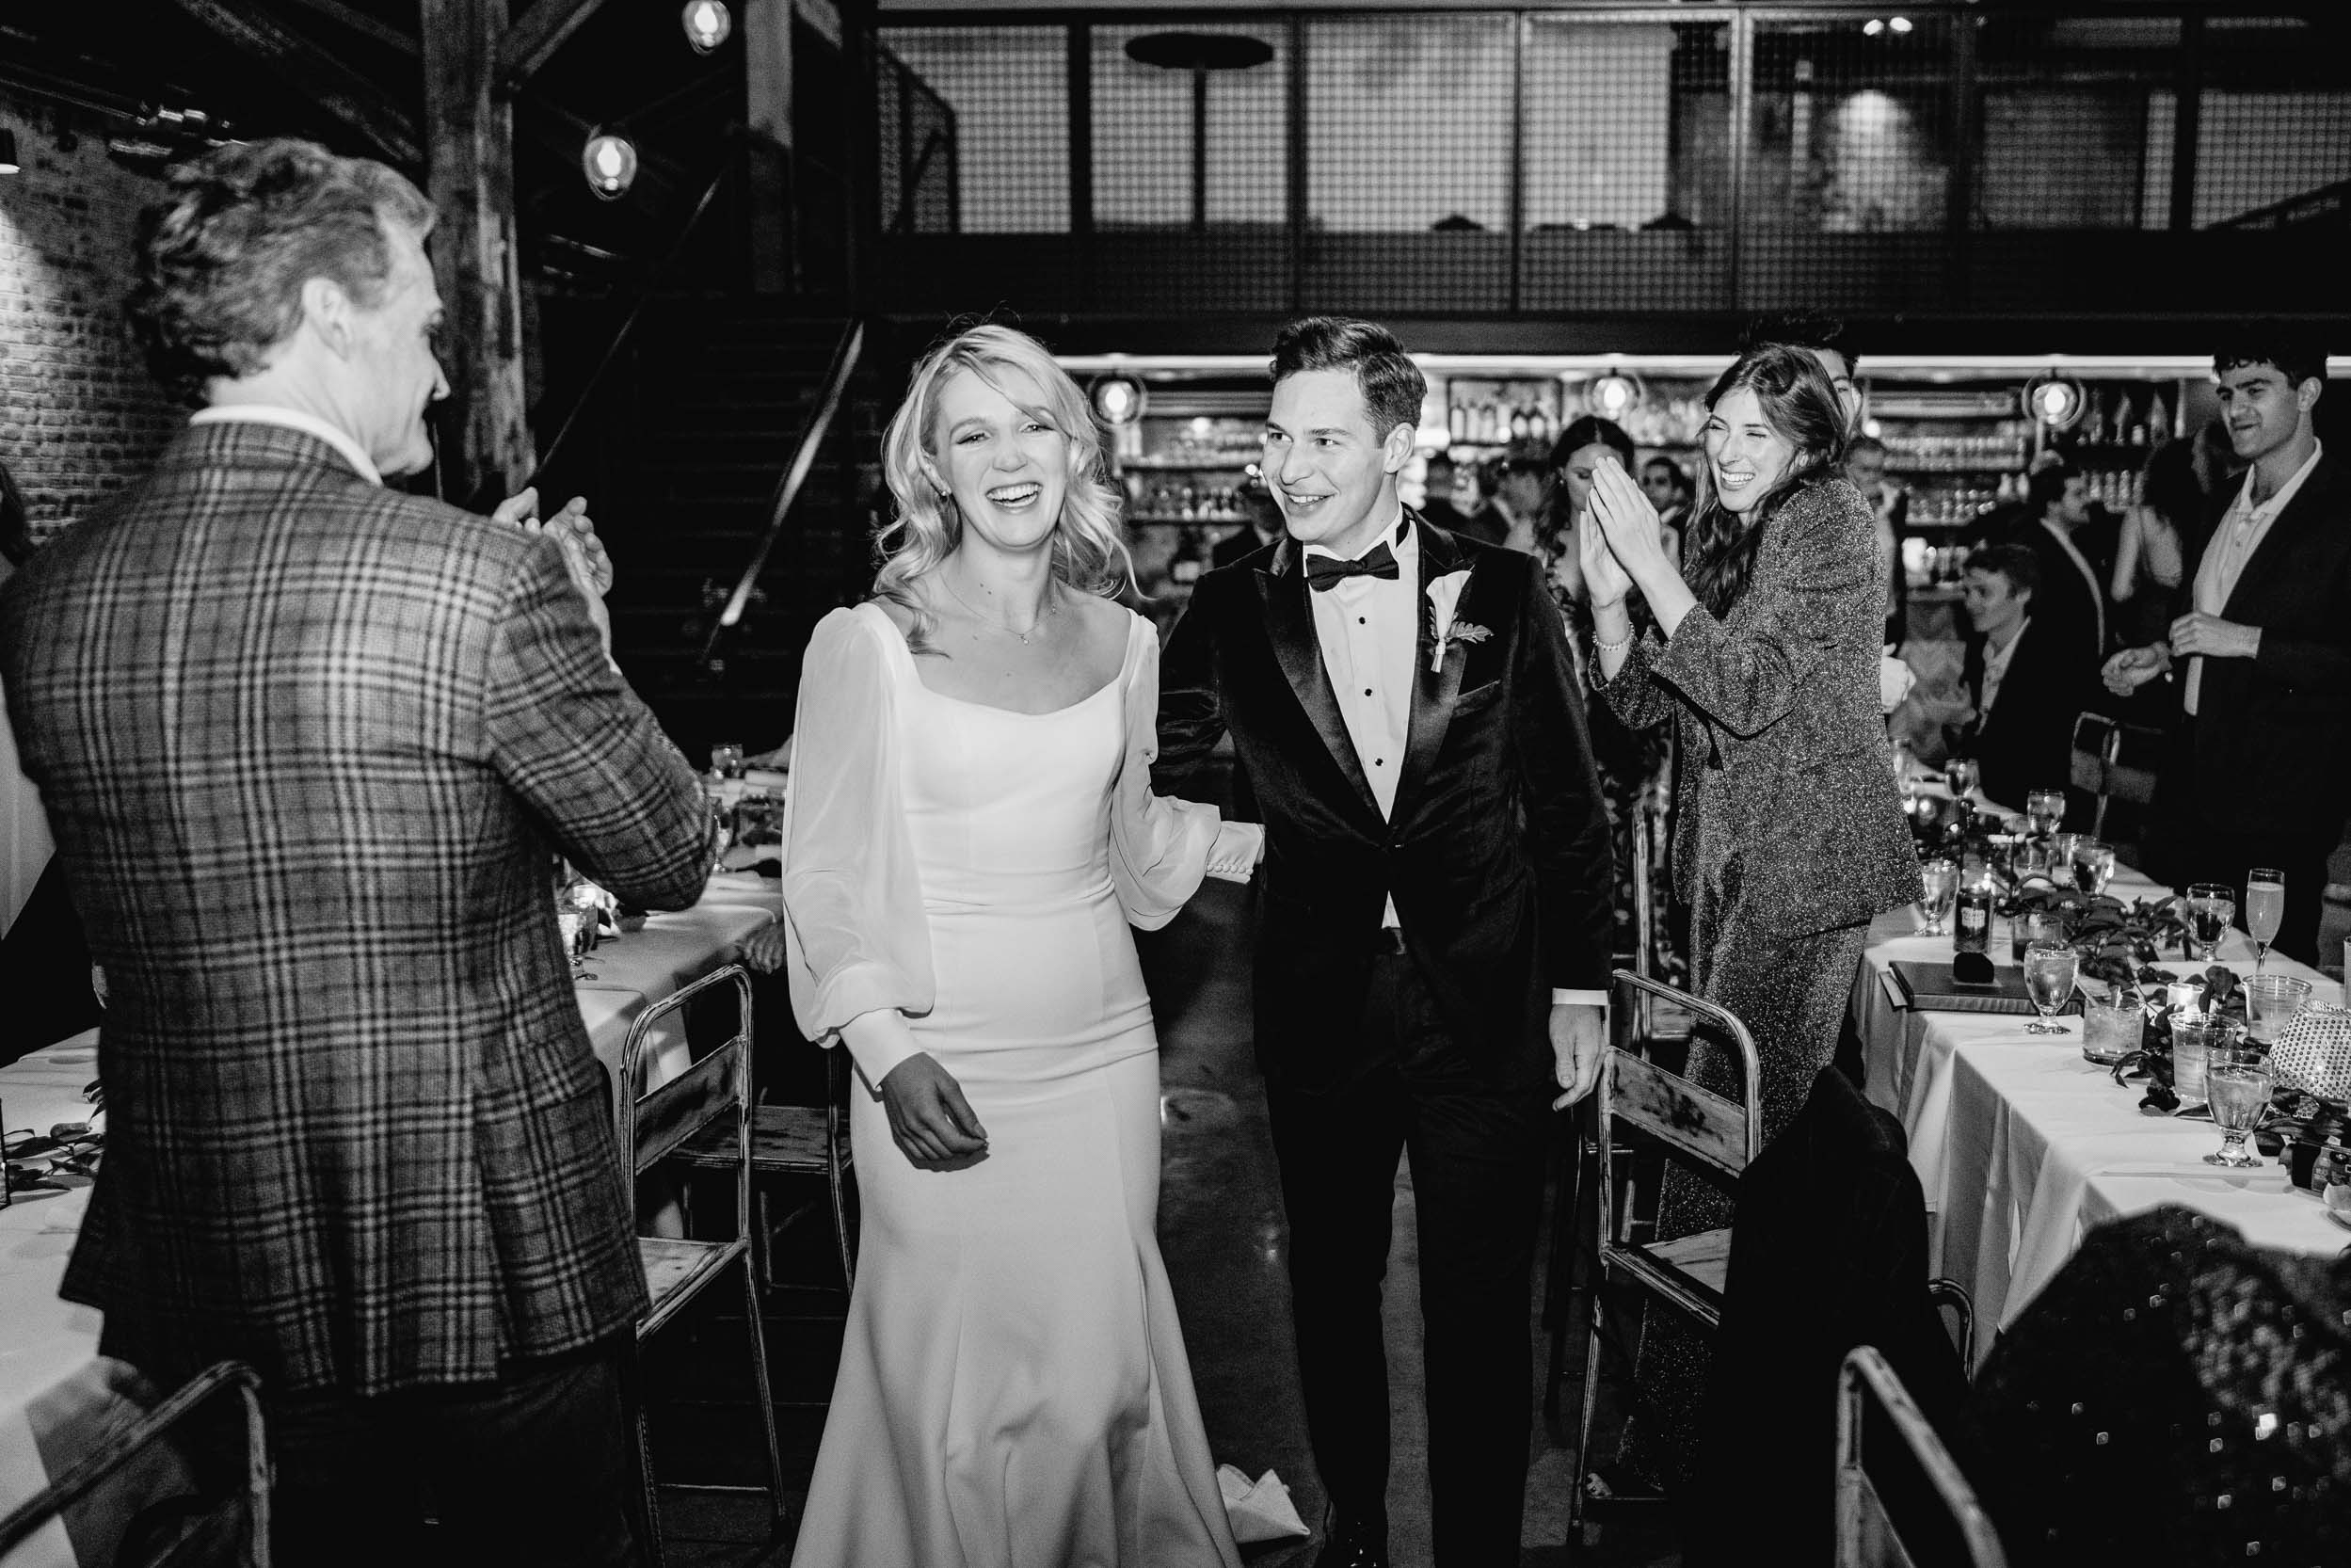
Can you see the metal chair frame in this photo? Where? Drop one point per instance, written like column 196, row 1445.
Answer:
column 1652, row 1088
column 93, row 1470
column 716, row 1090
column 1866, row 1534
column 800, row 1140
column 2097, row 767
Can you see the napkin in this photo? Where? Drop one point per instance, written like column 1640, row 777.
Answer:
column 1259, row 1510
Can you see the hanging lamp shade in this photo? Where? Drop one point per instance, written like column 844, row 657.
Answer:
column 707, row 23
column 610, row 162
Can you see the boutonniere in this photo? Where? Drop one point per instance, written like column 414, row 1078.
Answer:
column 1445, row 594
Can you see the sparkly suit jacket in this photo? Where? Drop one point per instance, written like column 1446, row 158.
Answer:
column 1496, row 847
column 308, row 745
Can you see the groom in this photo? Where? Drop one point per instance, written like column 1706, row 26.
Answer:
column 1433, row 946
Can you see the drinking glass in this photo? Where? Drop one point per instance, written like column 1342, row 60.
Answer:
column 2093, row 866
column 2050, row 968
column 2240, row 1081
column 1938, row 883
column 2040, row 928
column 2192, row 1036
column 2271, row 1001
column 2211, row 906
column 2110, row 1024
column 1961, row 772
column 727, row 759
column 571, row 920
column 2265, row 906
column 2045, row 808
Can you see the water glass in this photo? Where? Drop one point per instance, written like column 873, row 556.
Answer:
column 2050, row 969
column 2040, row 927
column 2192, row 1036
column 2211, row 906
column 2264, row 907
column 727, row 759
column 2240, row 1081
column 2093, row 865
column 1938, row 883
column 2271, row 1001
column 1962, row 775
column 2046, row 809
column 2110, row 1025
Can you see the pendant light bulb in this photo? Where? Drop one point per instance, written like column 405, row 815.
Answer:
column 610, row 163
column 707, row 23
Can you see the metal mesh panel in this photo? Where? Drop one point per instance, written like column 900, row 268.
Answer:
column 1143, row 134
column 1007, row 88
column 1408, row 162
column 1625, row 156
column 1849, row 164
column 2074, row 122
column 916, row 176
column 2274, row 121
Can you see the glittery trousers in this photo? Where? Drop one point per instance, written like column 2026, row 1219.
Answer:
column 1792, row 994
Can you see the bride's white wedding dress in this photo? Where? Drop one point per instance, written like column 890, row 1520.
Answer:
column 1014, row 1391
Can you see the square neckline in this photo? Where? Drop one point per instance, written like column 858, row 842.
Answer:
column 904, row 658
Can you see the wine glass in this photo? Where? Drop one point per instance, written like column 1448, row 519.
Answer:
column 1939, row 884
column 2264, row 907
column 2238, row 1081
column 1962, row 773
column 2093, row 866
column 2050, row 971
column 2211, row 906
column 2045, row 809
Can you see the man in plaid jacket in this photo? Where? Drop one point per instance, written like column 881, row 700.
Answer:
column 308, row 744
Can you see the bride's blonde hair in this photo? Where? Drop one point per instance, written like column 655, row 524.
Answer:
column 1089, row 550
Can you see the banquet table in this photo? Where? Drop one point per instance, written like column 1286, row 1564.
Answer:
column 49, row 1344
column 2022, row 1145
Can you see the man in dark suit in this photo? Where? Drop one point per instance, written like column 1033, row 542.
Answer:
column 309, row 746
column 1437, row 486
column 2026, row 693
column 2261, row 650
column 1263, row 528
column 2056, row 527
column 1434, row 920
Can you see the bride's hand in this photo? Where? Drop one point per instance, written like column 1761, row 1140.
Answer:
column 1605, row 578
column 929, row 1117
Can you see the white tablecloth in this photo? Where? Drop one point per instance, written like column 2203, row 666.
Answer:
column 2022, row 1145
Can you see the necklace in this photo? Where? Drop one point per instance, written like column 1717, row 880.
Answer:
column 1044, row 609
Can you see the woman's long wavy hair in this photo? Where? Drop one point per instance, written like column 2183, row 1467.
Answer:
column 1801, row 408
column 1089, row 550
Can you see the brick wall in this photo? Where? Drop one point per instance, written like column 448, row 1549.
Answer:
column 79, row 416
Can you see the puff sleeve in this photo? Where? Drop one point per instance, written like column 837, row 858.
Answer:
column 1162, row 847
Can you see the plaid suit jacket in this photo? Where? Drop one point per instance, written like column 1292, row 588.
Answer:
column 306, row 745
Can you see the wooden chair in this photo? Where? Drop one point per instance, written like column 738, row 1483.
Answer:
column 1691, row 1125
column 713, row 1093
column 2097, row 767
column 810, row 1141
column 142, row 1482
column 1871, row 1399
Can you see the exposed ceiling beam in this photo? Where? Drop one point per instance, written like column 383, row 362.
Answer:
column 531, row 41
column 360, row 21
column 317, row 76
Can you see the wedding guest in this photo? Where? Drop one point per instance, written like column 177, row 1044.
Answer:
column 1890, row 506
column 308, row 746
column 1667, row 489
column 2260, row 650
column 1483, row 521
column 1434, row 938
column 1578, row 450
column 1263, row 528
column 2026, row 689
column 1515, row 504
column 970, row 834
column 1790, row 838
column 2149, row 551
column 1437, row 488
column 2059, row 526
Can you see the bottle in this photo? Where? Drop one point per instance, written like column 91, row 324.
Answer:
column 1971, row 917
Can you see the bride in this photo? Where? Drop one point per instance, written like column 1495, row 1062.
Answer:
column 969, row 835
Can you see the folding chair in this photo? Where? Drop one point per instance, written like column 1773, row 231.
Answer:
column 2097, row 767
column 794, row 1140
column 140, row 1486
column 1690, row 1125
column 1867, row 1533
column 714, row 1092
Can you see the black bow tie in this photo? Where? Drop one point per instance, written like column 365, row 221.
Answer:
column 1324, row 571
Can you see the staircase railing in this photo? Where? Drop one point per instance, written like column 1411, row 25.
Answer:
column 2310, row 209
column 812, row 429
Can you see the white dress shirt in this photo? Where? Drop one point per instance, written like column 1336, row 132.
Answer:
column 2239, row 534
column 292, row 418
column 1369, row 629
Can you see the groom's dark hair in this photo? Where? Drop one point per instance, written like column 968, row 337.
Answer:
column 1392, row 386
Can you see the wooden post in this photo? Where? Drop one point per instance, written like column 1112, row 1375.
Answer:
column 767, row 47
column 471, row 159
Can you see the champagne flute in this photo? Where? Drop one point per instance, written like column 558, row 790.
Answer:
column 2050, row 971
column 2211, row 906
column 1939, row 884
column 2239, row 1080
column 2045, row 809
column 2264, row 907
column 2093, row 866
column 1961, row 772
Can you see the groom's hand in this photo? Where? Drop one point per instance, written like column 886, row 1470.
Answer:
column 1577, row 1035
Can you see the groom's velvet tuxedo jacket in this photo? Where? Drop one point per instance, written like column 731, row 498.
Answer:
column 1496, row 852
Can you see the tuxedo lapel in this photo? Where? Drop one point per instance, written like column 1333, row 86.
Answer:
column 1289, row 625
column 1434, row 689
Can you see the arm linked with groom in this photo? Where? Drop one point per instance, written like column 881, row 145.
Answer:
column 1433, row 948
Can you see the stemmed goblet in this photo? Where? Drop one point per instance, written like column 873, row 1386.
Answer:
column 2238, row 1079
column 2050, row 971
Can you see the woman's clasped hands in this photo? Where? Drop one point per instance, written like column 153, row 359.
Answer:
column 1629, row 543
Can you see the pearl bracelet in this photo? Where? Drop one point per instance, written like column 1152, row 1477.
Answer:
column 1599, row 647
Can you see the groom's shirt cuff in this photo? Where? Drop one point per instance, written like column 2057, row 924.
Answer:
column 1562, row 997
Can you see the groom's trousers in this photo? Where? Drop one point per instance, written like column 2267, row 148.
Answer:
column 1477, row 1155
